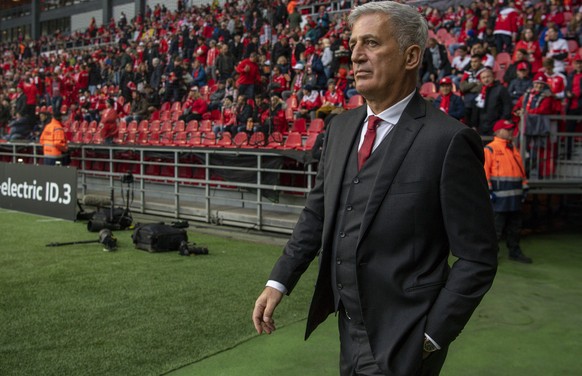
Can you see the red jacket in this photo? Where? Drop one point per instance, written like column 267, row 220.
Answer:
column 248, row 73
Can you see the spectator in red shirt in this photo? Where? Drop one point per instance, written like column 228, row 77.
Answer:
column 310, row 102
column 108, row 125
column 332, row 99
column 194, row 106
column 249, row 76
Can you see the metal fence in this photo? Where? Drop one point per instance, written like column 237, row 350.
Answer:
column 255, row 188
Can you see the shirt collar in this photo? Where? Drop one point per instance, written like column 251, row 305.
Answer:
column 391, row 114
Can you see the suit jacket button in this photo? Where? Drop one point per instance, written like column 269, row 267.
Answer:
column 342, row 234
column 356, row 180
column 350, row 208
column 338, row 261
column 339, row 286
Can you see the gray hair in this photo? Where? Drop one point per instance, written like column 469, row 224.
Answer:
column 408, row 25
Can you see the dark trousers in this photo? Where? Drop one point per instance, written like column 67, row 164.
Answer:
column 511, row 223
column 356, row 358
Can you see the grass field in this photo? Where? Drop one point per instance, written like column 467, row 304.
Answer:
column 76, row 310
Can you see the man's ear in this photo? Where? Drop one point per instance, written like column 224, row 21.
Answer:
column 413, row 57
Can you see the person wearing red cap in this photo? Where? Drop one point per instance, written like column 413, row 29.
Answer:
column 448, row 102
column 507, row 186
column 539, row 100
column 520, row 60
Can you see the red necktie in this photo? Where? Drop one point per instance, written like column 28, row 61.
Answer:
column 366, row 149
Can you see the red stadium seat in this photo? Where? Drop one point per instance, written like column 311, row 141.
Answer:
column 240, row 139
column 355, row 101
column 225, row 140
column 299, row 125
column 316, row 126
column 275, row 140
column 192, row 126
column 293, row 141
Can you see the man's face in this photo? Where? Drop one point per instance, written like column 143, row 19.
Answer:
column 445, row 89
column 475, row 63
column 578, row 65
column 377, row 61
column 486, row 77
column 552, row 35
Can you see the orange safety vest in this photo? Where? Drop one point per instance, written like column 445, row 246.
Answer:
column 53, row 139
column 505, row 175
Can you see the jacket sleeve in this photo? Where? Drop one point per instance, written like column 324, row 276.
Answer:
column 468, row 220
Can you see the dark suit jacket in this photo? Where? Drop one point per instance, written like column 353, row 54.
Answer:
column 430, row 198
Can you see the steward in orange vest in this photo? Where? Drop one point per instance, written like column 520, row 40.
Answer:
column 507, row 186
column 54, row 141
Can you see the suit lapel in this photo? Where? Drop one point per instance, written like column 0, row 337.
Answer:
column 405, row 132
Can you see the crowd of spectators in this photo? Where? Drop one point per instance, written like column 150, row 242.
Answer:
column 245, row 63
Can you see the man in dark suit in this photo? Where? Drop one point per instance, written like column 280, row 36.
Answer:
column 386, row 222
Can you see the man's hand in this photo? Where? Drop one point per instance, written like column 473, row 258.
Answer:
column 264, row 308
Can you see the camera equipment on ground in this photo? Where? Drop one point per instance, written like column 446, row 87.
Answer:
column 105, row 237
column 111, row 217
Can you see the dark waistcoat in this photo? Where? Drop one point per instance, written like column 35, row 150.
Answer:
column 356, row 187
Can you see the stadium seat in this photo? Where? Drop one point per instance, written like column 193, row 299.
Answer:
column 175, row 115
column 176, row 106
column 293, row 141
column 428, row 90
column 311, row 137
column 165, row 106
column 164, row 115
column 143, row 126
column 167, row 138
column 275, row 140
column 208, row 139
column 143, row 138
column 179, row 126
column 240, row 139
column 257, row 140
column 87, row 137
column 131, row 138
column 192, row 126
column 205, row 126
column 292, row 102
column 194, row 139
column 355, row 101
column 181, row 138
column 155, row 126
column 166, row 126
column 225, row 140
column 154, row 138
column 132, row 126
column 316, row 126
column 504, row 60
column 299, row 125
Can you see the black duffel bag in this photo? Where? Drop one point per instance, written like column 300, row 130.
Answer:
column 158, row 237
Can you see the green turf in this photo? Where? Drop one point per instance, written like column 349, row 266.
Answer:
column 76, row 310
column 529, row 324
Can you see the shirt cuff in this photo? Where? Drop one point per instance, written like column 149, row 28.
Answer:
column 432, row 340
column 277, row 286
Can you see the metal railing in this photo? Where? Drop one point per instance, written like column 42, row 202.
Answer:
column 257, row 188
column 265, row 191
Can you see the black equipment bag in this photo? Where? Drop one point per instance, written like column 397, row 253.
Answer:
column 102, row 219
column 158, row 237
